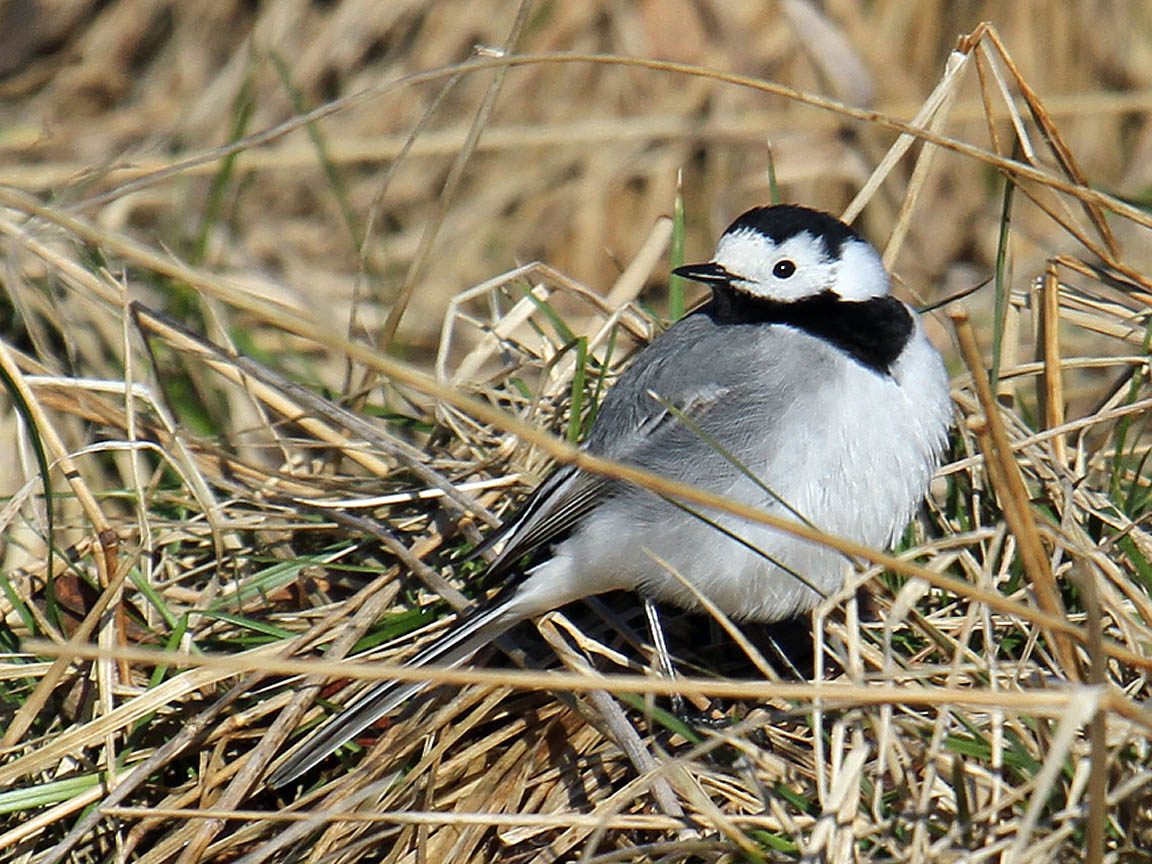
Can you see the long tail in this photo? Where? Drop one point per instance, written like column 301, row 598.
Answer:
column 468, row 637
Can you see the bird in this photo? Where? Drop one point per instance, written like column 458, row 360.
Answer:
column 801, row 386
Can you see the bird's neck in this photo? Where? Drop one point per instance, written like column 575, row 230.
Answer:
column 874, row 332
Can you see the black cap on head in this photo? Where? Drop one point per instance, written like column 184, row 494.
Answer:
column 781, row 221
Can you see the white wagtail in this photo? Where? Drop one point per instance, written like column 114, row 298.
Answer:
column 801, row 387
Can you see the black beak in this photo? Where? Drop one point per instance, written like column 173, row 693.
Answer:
column 710, row 273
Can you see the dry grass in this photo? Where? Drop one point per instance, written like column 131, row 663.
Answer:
column 220, row 230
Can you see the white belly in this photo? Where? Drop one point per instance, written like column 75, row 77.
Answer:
column 855, row 460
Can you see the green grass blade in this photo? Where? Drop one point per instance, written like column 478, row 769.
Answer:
column 773, row 186
column 576, row 397
column 677, row 284
column 52, row 610
column 45, row 794
column 243, row 109
column 601, row 379
column 1002, row 276
column 328, row 165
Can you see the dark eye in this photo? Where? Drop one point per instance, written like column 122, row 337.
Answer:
column 784, row 269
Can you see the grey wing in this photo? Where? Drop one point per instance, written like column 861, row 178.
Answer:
column 702, row 396
column 668, row 403
column 550, row 512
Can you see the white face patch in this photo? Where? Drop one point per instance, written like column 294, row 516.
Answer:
column 862, row 274
column 800, row 267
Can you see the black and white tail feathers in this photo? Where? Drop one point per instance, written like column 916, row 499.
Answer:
column 550, row 512
column 465, row 639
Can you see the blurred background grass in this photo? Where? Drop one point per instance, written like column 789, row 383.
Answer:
column 576, row 160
